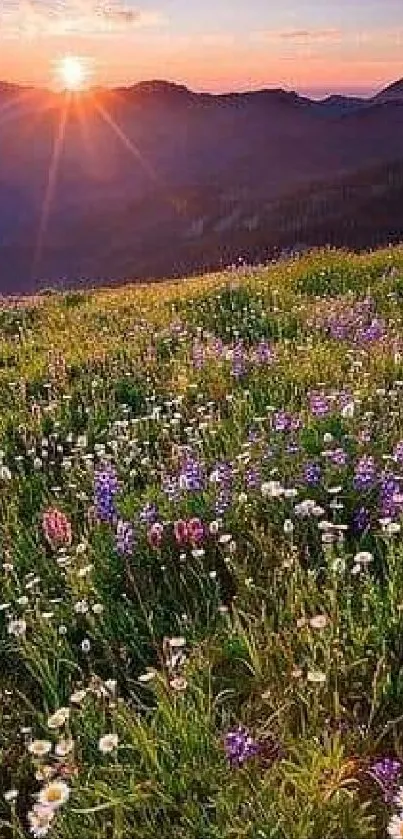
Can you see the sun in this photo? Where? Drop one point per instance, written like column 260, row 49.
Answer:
column 72, row 72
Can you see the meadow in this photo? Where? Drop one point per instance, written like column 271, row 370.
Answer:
column 201, row 608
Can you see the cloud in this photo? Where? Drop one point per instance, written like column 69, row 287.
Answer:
column 58, row 18
column 309, row 35
column 300, row 36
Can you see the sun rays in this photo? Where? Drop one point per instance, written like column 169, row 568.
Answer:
column 82, row 104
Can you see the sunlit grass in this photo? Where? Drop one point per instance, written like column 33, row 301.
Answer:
column 183, row 473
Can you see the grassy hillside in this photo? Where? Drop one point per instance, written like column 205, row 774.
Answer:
column 201, row 615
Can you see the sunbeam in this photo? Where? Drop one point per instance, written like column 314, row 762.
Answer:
column 51, row 182
column 129, row 145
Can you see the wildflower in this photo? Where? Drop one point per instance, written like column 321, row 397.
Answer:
column 57, row 528
column 45, row 772
column 395, row 827
column 17, row 627
column 181, row 532
column 361, row 520
column 54, row 794
column 238, row 360
column 288, row 527
column 312, row 474
column 149, row 514
column 272, row 489
column 318, row 622
column 105, row 490
column 39, row 748
column 86, row 645
column 124, row 538
column 386, row 772
column 191, row 477
column 316, row 677
column 40, row 820
column 178, row 684
column 398, row 453
column 11, row 795
column 365, row 473
column 78, row 697
column 363, row 558
column 240, row 746
column 155, row 535
column 108, row 743
column 64, row 747
column 59, row 718
column 195, row 531
column 398, row 799
column 319, row 404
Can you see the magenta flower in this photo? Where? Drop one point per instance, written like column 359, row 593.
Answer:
column 195, row 531
column 155, row 535
column 181, row 532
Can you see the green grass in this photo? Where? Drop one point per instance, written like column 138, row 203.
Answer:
column 286, row 631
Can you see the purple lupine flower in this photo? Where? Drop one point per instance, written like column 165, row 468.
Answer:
column 361, row 520
column 312, row 474
column 105, row 488
column 240, row 746
column 319, row 404
column 124, row 538
column 295, row 422
column 197, row 354
column 337, row 456
column 365, row 473
column 263, row 353
column 222, row 476
column 218, row 347
column 386, row 772
column 253, row 478
column 391, row 497
column 149, row 513
column 171, row 487
column 281, row 421
column 238, row 360
column 254, row 434
column 374, row 331
column 191, row 476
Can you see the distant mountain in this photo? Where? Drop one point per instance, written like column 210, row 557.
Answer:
column 154, row 179
column 391, row 93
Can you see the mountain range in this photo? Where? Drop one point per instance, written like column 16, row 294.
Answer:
column 155, row 180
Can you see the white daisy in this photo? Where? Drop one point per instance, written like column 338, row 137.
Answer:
column 39, row 748
column 53, row 795
column 59, row 718
column 395, row 827
column 108, row 743
column 40, row 819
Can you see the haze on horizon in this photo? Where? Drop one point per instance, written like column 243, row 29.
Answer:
column 313, row 46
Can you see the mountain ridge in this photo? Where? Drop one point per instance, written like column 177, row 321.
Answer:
column 156, row 179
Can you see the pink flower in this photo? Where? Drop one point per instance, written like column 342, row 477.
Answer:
column 155, row 535
column 57, row 528
column 196, row 531
column 181, row 532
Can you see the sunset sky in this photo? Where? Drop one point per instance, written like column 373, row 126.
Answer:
column 314, row 46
